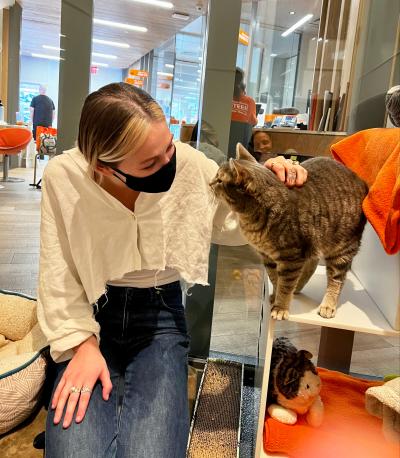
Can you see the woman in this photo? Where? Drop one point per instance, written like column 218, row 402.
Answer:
column 261, row 146
column 124, row 217
column 243, row 106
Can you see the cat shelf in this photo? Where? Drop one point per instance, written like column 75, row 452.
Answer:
column 357, row 309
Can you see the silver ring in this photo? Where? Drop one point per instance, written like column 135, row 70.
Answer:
column 295, row 162
column 75, row 389
column 86, row 389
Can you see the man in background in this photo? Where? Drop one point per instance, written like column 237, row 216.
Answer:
column 42, row 110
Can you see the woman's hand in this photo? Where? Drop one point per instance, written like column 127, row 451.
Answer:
column 85, row 368
column 288, row 172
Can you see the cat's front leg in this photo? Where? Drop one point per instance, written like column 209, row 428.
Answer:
column 270, row 266
column 288, row 275
column 336, row 269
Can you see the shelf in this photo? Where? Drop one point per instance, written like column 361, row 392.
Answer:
column 356, row 310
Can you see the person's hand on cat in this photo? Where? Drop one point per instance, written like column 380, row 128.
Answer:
column 289, row 173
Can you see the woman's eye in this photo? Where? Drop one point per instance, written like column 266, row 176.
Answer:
column 150, row 166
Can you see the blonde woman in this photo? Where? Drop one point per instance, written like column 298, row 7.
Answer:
column 126, row 217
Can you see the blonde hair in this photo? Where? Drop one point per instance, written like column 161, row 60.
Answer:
column 114, row 123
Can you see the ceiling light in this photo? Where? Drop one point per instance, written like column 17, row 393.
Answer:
column 99, row 64
column 53, row 48
column 169, row 65
column 161, row 4
column 120, row 25
column 182, row 16
column 46, row 56
column 171, row 75
column 117, row 44
column 273, row 55
column 106, row 56
column 319, row 39
column 313, row 38
column 295, row 26
column 292, row 12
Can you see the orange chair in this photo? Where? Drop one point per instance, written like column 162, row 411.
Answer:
column 12, row 141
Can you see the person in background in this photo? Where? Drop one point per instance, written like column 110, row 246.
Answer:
column 208, row 144
column 243, row 106
column 260, row 146
column 42, row 110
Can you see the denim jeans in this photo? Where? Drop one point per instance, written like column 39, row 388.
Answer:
column 145, row 344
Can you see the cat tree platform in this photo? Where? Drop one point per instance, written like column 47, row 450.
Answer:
column 369, row 303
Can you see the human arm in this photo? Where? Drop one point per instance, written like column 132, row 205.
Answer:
column 64, row 312
column 288, row 171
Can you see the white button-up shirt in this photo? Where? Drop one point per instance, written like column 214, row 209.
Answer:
column 88, row 238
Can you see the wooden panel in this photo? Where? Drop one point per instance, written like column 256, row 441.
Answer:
column 308, row 143
column 41, row 25
column 338, row 59
column 328, row 55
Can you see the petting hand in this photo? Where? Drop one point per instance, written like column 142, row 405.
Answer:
column 287, row 171
column 85, row 368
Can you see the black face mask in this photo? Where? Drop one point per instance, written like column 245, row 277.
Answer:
column 159, row 181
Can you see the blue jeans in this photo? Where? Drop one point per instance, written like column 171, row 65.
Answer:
column 145, row 343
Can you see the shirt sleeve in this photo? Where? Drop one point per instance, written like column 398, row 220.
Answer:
column 33, row 102
column 52, row 104
column 226, row 229
column 252, row 112
column 64, row 312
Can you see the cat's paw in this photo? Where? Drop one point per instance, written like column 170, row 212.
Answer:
column 326, row 311
column 279, row 314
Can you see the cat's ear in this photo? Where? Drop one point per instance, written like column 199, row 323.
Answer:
column 304, row 354
column 242, row 153
column 242, row 175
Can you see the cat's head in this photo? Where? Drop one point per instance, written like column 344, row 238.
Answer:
column 297, row 380
column 239, row 181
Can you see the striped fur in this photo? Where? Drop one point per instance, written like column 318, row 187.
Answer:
column 294, row 228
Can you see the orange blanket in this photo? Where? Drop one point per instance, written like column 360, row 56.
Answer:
column 374, row 155
column 348, row 430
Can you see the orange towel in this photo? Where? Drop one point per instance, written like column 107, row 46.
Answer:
column 348, row 430
column 374, row 155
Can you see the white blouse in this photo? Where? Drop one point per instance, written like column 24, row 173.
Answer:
column 89, row 238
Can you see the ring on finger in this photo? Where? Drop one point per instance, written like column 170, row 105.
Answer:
column 75, row 389
column 86, row 389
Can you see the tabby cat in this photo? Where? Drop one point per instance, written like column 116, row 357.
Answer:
column 293, row 228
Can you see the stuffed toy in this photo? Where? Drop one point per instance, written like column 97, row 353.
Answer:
column 294, row 385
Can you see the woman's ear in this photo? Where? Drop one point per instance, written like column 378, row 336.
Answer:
column 104, row 169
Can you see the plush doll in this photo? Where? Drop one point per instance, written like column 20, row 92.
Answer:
column 294, row 385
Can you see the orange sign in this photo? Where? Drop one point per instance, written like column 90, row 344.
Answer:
column 243, row 37
column 129, row 80
column 141, row 73
column 138, row 83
